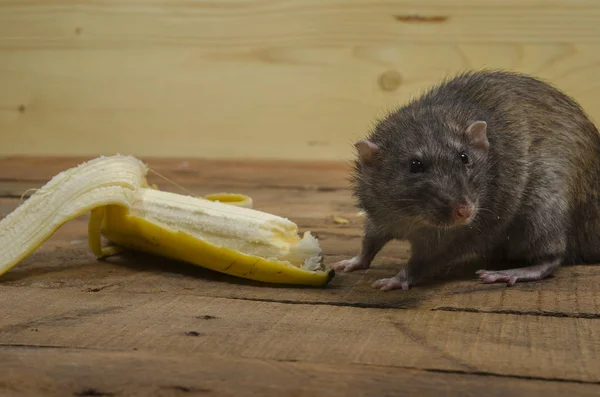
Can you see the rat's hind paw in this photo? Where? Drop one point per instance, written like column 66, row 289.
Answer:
column 490, row 277
column 387, row 284
column 510, row 277
column 349, row 265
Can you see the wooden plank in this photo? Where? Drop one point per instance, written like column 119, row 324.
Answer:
column 192, row 173
column 173, row 311
column 302, row 79
column 65, row 261
column 126, row 24
column 493, row 344
column 60, row 372
column 311, row 104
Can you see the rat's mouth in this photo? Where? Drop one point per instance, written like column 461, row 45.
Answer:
column 444, row 224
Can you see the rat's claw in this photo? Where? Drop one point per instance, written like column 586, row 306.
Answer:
column 387, row 284
column 349, row 265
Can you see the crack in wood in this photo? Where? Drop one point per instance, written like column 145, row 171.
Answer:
column 92, row 392
column 98, row 289
column 187, row 389
column 421, row 18
column 409, row 303
column 510, row 376
column 541, row 313
column 406, row 331
column 61, row 319
column 33, row 346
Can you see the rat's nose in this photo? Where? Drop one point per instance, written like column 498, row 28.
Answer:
column 463, row 212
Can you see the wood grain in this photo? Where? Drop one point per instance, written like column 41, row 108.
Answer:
column 329, row 22
column 194, row 172
column 416, row 339
column 62, row 372
column 302, row 79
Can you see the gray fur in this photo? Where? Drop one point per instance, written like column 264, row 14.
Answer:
column 535, row 187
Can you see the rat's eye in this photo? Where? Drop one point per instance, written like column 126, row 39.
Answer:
column 416, row 166
column 464, row 158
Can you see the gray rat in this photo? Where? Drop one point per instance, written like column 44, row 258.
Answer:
column 493, row 164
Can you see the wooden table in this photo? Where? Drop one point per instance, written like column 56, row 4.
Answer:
column 141, row 325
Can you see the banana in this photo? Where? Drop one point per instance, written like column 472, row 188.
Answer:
column 221, row 232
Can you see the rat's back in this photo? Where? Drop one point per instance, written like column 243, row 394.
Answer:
column 531, row 122
column 547, row 142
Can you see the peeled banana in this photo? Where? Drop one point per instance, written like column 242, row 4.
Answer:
column 221, row 232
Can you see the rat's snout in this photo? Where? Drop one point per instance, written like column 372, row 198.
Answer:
column 462, row 212
column 449, row 202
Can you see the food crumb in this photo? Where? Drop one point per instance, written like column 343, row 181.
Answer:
column 340, row 221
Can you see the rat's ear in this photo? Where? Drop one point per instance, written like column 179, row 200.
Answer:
column 477, row 133
column 366, row 150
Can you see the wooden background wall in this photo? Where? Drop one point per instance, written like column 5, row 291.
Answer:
column 300, row 79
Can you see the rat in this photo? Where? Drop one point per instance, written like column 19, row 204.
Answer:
column 492, row 164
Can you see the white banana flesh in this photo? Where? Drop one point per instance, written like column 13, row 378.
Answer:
column 241, row 229
column 98, row 182
column 189, row 226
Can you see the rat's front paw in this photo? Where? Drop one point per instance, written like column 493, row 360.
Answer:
column 349, row 265
column 387, row 284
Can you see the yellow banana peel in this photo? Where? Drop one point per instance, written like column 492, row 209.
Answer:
column 221, row 232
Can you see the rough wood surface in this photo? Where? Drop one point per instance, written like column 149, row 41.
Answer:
column 493, row 344
column 141, row 373
column 141, row 325
column 303, row 79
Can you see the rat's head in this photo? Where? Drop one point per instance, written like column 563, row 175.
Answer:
column 433, row 173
